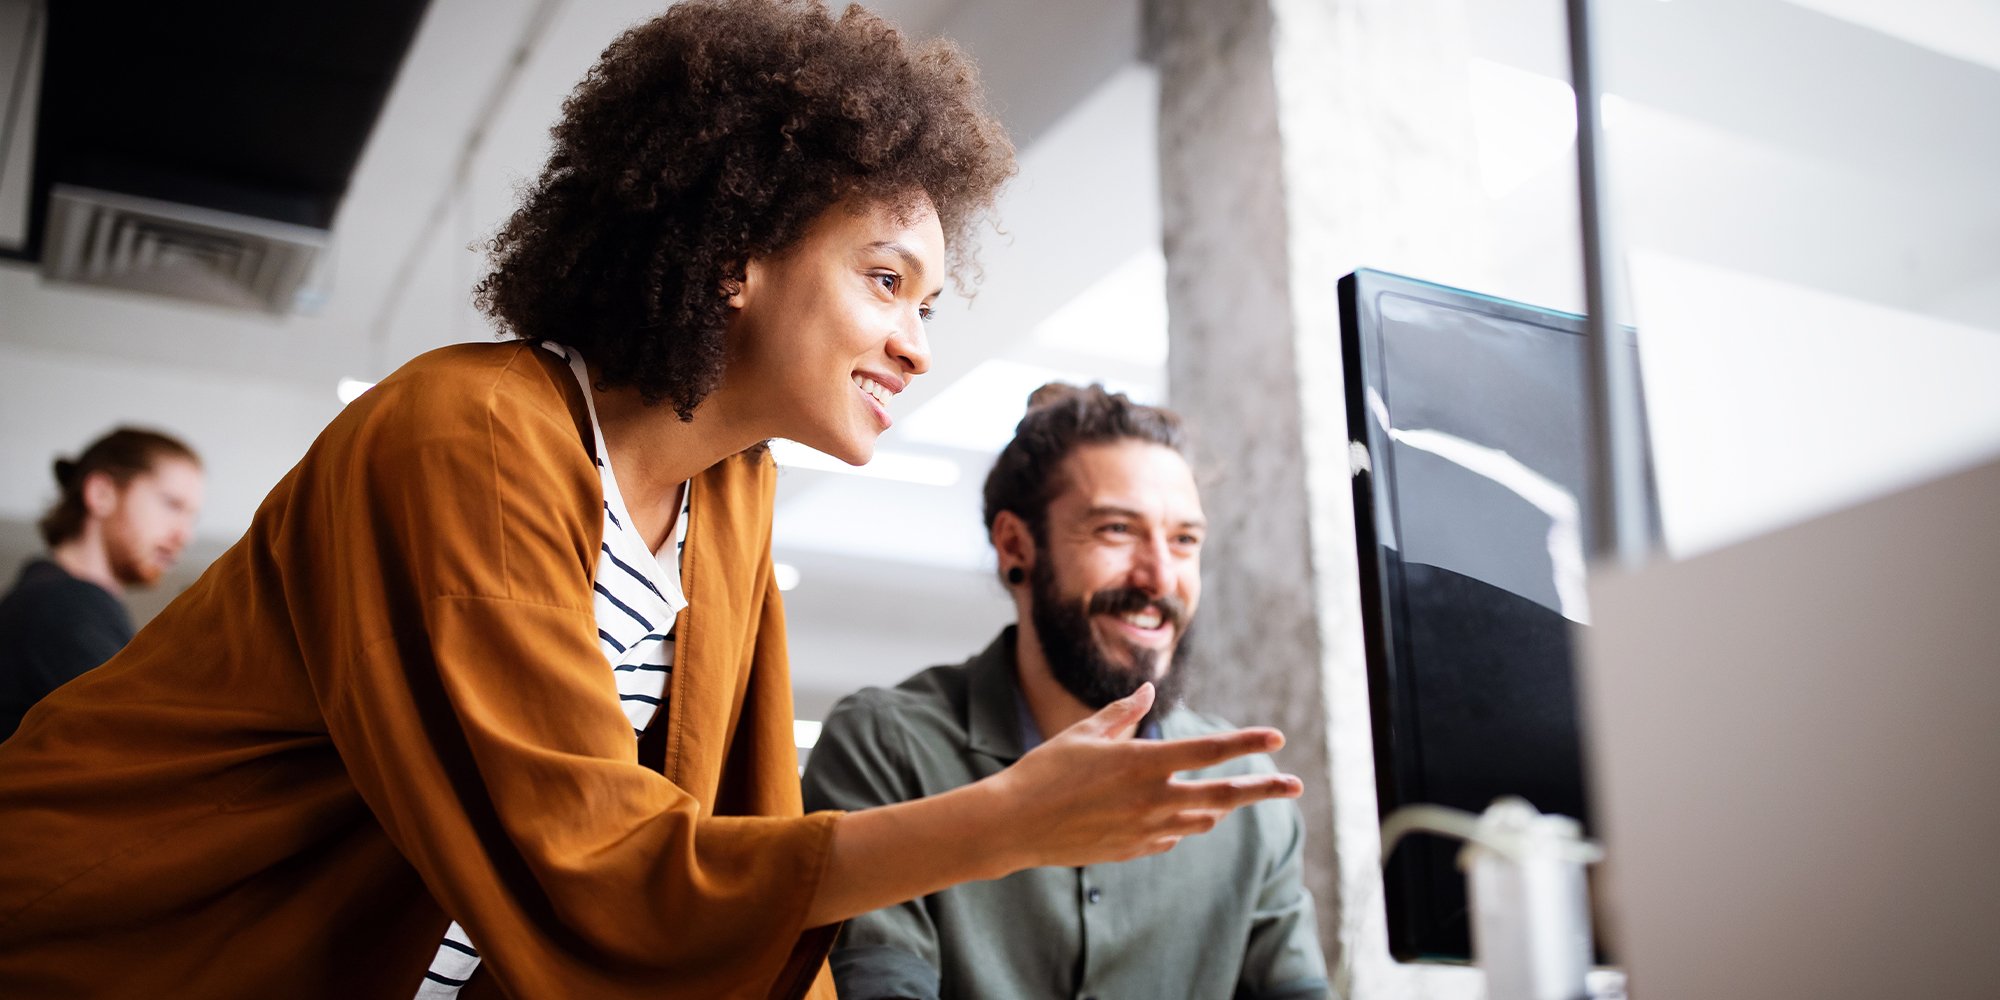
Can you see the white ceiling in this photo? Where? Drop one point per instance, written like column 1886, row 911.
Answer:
column 1766, row 136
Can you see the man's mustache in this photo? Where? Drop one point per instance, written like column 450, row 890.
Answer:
column 1125, row 600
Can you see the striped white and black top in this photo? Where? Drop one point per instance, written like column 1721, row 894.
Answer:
column 638, row 595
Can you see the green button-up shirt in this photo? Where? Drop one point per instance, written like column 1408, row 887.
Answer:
column 1222, row 915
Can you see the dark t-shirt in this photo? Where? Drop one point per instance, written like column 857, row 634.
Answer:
column 53, row 627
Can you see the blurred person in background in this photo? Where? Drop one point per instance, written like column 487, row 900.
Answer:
column 1098, row 527
column 126, row 510
column 492, row 698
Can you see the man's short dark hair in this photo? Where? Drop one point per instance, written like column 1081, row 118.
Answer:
column 1060, row 419
column 713, row 135
column 121, row 454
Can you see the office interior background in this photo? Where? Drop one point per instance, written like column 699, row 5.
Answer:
column 1802, row 195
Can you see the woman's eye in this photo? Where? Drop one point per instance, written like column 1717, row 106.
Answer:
column 888, row 282
column 924, row 313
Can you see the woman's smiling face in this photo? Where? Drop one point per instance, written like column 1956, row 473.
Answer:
column 825, row 333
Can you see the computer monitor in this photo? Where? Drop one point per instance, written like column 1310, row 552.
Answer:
column 1467, row 418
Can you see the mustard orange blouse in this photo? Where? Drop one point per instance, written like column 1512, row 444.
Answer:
column 384, row 708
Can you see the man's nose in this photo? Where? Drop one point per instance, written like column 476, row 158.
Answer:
column 1150, row 568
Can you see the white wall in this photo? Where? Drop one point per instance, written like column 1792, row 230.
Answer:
column 248, row 431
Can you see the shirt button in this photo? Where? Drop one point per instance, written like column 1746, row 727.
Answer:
column 1093, row 896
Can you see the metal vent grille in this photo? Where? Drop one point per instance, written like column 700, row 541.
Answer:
column 161, row 248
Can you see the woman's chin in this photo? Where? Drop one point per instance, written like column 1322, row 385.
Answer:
column 857, row 450
column 858, row 454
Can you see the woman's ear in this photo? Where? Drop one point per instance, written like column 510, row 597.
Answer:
column 739, row 287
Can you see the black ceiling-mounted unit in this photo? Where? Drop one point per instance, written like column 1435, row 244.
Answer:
column 202, row 150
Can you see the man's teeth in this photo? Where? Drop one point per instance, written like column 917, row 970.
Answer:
column 876, row 390
column 1149, row 618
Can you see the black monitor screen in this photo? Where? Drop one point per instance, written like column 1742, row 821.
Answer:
column 1471, row 515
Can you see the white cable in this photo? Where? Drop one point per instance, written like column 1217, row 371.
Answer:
column 1496, row 830
column 1493, row 830
column 1428, row 819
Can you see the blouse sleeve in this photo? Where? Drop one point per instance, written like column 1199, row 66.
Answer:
column 481, row 725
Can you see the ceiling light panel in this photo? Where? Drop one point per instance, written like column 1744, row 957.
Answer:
column 978, row 412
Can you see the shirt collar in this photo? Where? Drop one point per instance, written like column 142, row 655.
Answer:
column 998, row 722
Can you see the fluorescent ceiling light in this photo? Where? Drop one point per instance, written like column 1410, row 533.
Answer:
column 787, row 575
column 805, row 733
column 886, row 522
column 1524, row 124
column 902, row 467
column 348, row 389
column 978, row 412
column 1122, row 316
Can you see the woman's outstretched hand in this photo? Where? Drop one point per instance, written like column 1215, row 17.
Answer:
column 1090, row 795
column 1093, row 794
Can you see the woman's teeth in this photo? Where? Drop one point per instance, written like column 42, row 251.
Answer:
column 877, row 391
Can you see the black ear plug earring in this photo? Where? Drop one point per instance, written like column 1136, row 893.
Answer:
column 1014, row 574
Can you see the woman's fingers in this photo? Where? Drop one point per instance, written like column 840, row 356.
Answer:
column 1221, row 795
column 1120, row 719
column 1092, row 795
column 1196, row 752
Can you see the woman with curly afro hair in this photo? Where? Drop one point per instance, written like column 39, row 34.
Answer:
column 492, row 698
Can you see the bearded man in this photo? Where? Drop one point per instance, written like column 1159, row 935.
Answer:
column 1097, row 524
column 125, row 510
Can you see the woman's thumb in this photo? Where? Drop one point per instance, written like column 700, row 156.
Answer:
column 1120, row 719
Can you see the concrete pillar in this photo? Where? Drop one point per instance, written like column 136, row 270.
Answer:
column 1300, row 139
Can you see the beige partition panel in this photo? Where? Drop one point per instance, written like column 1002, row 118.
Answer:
column 1796, row 752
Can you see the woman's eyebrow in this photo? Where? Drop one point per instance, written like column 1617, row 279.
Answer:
column 913, row 266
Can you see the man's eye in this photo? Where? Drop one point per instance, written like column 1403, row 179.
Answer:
column 1116, row 529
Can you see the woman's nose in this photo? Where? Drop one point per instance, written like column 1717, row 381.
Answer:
column 911, row 346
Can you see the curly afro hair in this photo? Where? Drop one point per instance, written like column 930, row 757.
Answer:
column 713, row 135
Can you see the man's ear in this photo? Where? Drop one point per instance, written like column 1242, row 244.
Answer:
column 100, row 494
column 1013, row 542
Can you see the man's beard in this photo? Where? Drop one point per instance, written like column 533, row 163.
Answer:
column 128, row 561
column 1078, row 659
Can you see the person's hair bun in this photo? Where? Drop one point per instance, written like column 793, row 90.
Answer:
column 1052, row 393
column 65, row 473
